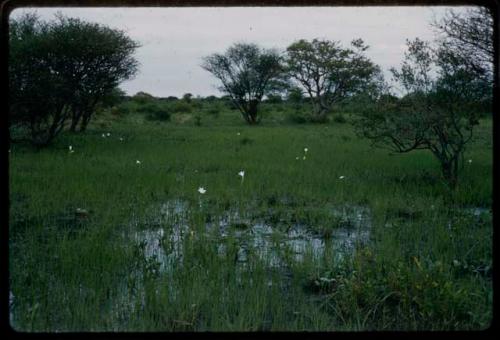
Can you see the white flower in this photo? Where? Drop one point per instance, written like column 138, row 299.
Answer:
column 326, row 280
column 238, row 133
column 304, row 158
column 103, row 135
column 297, row 158
column 241, row 173
column 121, row 139
column 70, row 148
column 201, row 190
column 341, row 177
column 137, row 162
column 71, row 151
column 470, row 161
column 108, row 134
column 306, row 149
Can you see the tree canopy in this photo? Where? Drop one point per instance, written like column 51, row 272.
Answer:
column 468, row 38
column 438, row 112
column 246, row 72
column 328, row 73
column 63, row 69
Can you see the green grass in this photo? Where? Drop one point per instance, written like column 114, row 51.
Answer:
column 426, row 266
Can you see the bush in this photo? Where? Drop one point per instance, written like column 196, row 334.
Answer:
column 214, row 110
column 142, row 97
column 181, row 107
column 274, row 99
column 339, row 118
column 197, row 120
column 298, row 117
column 120, row 110
column 155, row 112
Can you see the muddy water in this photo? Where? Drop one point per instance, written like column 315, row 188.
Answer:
column 264, row 240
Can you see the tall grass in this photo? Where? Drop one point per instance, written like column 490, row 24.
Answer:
column 428, row 265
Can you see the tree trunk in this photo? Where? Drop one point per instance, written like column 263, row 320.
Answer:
column 252, row 112
column 85, row 122
column 87, row 114
column 75, row 119
column 320, row 111
column 320, row 116
column 449, row 169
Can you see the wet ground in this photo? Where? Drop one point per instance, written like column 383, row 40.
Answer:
column 255, row 235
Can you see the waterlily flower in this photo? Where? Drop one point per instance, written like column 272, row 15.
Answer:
column 137, row 162
column 201, row 190
column 470, row 161
column 241, row 173
column 297, row 158
column 341, row 177
column 70, row 148
column 121, row 139
column 108, row 134
column 304, row 158
column 306, row 149
column 103, row 135
column 238, row 133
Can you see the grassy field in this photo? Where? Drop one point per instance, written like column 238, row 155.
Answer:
column 426, row 264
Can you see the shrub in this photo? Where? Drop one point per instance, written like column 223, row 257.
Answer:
column 120, row 110
column 197, row 120
column 155, row 112
column 339, row 118
column 181, row 107
column 298, row 117
column 214, row 110
column 142, row 97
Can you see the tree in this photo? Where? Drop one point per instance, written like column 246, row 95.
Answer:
column 437, row 113
column 295, row 96
column 113, row 98
column 187, row 97
column 62, row 69
column 38, row 106
column 329, row 73
column 468, row 38
column 246, row 72
column 93, row 59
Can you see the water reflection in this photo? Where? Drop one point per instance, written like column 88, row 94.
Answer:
column 264, row 240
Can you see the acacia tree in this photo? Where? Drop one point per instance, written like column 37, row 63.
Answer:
column 468, row 37
column 38, row 106
column 437, row 113
column 329, row 73
column 61, row 70
column 246, row 72
column 93, row 59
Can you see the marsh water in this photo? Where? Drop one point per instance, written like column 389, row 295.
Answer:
column 161, row 236
column 269, row 242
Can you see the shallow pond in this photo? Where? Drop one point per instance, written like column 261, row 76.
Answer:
column 261, row 238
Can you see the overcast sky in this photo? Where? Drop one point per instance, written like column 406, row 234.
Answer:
column 174, row 40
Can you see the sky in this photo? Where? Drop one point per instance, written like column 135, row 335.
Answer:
column 174, row 40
